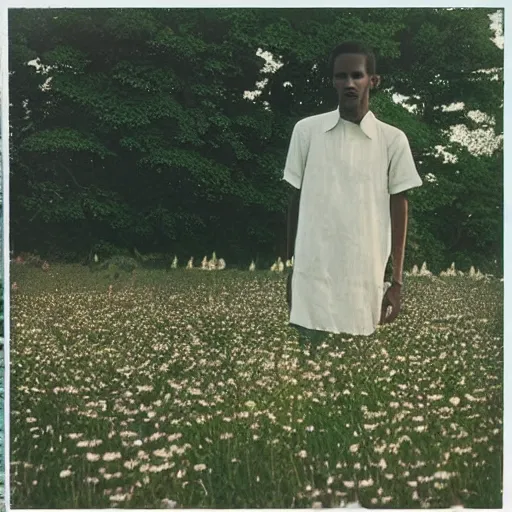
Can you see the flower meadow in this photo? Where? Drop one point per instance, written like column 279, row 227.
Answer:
column 2, row 435
column 187, row 389
column 2, row 396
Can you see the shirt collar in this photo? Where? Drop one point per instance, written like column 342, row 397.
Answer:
column 367, row 125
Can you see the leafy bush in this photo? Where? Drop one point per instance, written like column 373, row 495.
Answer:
column 120, row 263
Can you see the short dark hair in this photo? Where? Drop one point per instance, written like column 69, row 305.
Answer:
column 354, row 47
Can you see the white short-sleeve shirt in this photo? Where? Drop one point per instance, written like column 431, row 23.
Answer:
column 346, row 173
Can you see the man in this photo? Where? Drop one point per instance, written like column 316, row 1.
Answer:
column 348, row 210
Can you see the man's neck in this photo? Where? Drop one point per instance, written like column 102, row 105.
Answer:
column 355, row 116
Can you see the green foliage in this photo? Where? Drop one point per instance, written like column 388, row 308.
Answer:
column 62, row 140
column 120, row 263
column 31, row 260
column 136, row 132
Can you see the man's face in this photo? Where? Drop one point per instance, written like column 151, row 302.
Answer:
column 351, row 80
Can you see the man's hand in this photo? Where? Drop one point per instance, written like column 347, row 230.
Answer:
column 289, row 290
column 391, row 298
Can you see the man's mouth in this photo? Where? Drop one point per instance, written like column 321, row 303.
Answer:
column 350, row 94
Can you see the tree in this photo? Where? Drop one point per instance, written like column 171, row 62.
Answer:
column 136, row 130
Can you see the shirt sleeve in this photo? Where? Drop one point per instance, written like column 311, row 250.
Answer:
column 402, row 174
column 296, row 159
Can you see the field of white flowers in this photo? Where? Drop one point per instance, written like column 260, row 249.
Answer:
column 185, row 389
column 2, row 444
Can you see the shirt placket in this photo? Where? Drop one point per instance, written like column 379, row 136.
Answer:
column 351, row 149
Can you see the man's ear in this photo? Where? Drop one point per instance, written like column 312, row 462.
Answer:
column 375, row 81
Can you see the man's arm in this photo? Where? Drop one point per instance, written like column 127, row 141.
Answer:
column 293, row 221
column 399, row 217
column 293, row 174
column 402, row 176
column 398, row 207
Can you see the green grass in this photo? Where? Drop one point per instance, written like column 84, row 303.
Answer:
column 2, row 391
column 188, row 386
